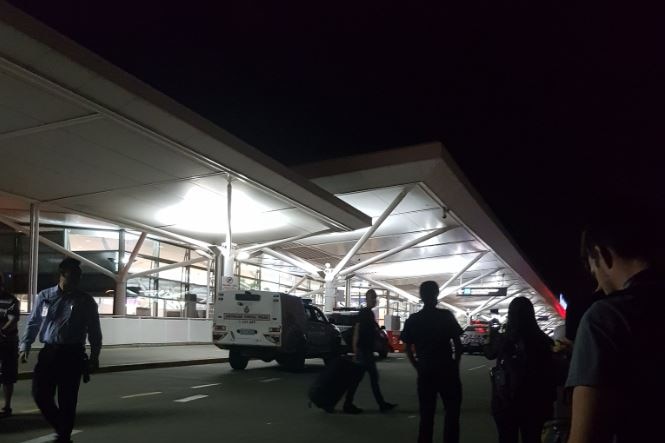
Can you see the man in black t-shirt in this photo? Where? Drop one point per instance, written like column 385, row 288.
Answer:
column 435, row 335
column 9, row 315
column 615, row 373
column 364, row 336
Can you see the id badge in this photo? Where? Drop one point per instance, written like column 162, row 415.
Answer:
column 44, row 310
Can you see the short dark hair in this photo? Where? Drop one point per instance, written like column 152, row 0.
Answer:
column 429, row 291
column 632, row 233
column 69, row 265
column 371, row 293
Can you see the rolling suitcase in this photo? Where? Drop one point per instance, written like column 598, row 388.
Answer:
column 333, row 382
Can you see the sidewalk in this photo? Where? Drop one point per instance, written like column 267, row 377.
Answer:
column 131, row 358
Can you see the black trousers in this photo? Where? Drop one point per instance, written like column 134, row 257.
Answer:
column 368, row 364
column 58, row 368
column 511, row 423
column 449, row 388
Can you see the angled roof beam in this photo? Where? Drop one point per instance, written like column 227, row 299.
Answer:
column 461, row 272
column 470, row 282
column 168, row 267
column 490, row 300
column 17, row 227
column 394, row 251
column 502, row 299
column 372, row 229
column 387, row 286
column 270, row 244
column 298, row 283
column 295, row 261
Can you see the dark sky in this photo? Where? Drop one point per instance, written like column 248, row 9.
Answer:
column 546, row 108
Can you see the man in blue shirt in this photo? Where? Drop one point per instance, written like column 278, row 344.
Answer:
column 62, row 317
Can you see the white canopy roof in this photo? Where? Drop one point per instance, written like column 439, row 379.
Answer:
column 80, row 136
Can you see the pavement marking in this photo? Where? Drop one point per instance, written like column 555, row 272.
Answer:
column 268, row 380
column 412, row 416
column 144, row 394
column 477, row 367
column 29, row 411
column 48, row 438
column 205, row 386
column 192, row 398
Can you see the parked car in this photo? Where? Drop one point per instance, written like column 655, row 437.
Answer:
column 345, row 320
column 272, row 326
column 475, row 337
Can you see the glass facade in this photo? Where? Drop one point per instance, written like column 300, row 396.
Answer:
column 163, row 294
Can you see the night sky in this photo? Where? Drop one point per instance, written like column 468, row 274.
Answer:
column 547, row 108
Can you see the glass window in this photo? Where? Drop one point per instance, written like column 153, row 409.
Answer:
column 178, row 274
column 250, row 284
column 172, row 290
column 171, row 252
column 93, row 240
column 198, row 276
column 269, row 275
column 140, row 264
column 149, row 246
column 250, row 271
column 269, row 286
column 318, row 316
column 287, row 280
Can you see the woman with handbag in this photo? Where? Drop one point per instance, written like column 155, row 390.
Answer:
column 523, row 387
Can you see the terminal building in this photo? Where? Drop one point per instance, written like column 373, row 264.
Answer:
column 164, row 208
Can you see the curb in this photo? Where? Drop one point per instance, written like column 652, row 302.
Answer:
column 141, row 366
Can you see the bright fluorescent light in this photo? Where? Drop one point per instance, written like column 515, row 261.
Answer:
column 417, row 268
column 243, row 255
column 204, row 211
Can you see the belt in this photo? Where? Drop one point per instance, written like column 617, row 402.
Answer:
column 64, row 346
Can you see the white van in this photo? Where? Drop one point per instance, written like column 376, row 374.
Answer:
column 271, row 326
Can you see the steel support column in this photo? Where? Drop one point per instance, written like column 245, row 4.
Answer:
column 228, row 248
column 329, row 289
column 120, row 296
column 33, row 265
column 347, row 293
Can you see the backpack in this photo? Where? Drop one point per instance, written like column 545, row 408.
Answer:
column 509, row 374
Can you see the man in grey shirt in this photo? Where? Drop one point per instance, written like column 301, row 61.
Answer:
column 617, row 364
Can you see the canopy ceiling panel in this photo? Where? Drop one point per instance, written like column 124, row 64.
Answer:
column 25, row 105
column 371, row 182
column 84, row 136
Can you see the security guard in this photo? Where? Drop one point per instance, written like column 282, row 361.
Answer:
column 62, row 316
column 435, row 335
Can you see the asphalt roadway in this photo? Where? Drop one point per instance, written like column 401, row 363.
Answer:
column 212, row 403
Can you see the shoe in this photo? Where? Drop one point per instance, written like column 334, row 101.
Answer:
column 5, row 412
column 352, row 409
column 387, row 407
